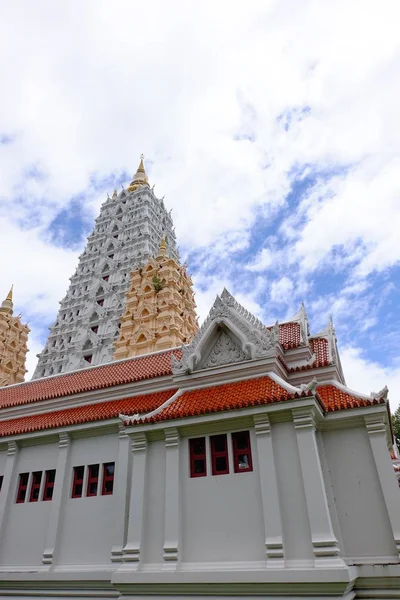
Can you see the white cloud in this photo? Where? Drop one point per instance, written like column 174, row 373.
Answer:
column 281, row 290
column 368, row 376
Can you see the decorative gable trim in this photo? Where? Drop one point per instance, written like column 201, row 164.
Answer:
column 248, row 338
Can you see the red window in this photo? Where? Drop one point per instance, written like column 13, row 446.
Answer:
column 88, row 358
column 106, row 277
column 219, row 454
column 95, row 329
column 100, row 302
column 49, row 484
column 93, row 480
column 242, row 452
column 22, row 486
column 77, row 484
column 35, row 486
column 197, row 452
column 108, row 479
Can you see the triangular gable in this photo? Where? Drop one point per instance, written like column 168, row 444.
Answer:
column 230, row 334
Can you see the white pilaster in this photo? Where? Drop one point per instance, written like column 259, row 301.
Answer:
column 269, row 493
column 172, row 496
column 60, row 491
column 6, row 496
column 131, row 551
column 325, row 545
column 121, row 489
column 376, row 428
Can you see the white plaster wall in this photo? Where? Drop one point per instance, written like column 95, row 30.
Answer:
column 361, row 509
column 23, row 539
column 87, row 523
column 222, row 514
column 153, row 538
column 295, row 522
column 3, row 457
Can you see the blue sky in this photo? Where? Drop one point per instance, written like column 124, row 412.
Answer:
column 270, row 127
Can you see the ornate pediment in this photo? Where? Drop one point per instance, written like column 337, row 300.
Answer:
column 230, row 334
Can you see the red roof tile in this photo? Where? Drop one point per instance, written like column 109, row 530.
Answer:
column 319, row 347
column 289, row 335
column 85, row 414
column 95, row 378
column 230, row 396
column 333, row 398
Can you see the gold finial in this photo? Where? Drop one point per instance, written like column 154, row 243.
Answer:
column 141, row 164
column 10, row 294
column 163, row 244
column 7, row 304
column 115, row 194
column 140, row 177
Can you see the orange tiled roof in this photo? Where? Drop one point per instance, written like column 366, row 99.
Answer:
column 229, row 396
column 333, row 398
column 289, row 335
column 94, row 378
column 84, row 414
column 319, row 347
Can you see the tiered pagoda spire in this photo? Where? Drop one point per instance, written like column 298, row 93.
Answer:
column 126, row 234
column 160, row 308
column 13, row 344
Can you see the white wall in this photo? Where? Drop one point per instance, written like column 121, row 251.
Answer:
column 24, row 534
column 87, row 523
column 153, row 538
column 221, row 515
column 361, row 509
column 295, row 523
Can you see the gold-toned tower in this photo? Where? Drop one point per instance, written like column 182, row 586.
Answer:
column 160, row 308
column 13, row 344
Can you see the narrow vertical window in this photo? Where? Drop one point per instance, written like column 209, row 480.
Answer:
column 108, row 479
column 22, row 485
column 197, row 451
column 219, row 454
column 1, row 481
column 93, row 480
column 35, row 486
column 242, row 452
column 49, row 484
column 77, row 484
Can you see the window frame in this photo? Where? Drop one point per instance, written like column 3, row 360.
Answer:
column 197, row 456
column 22, row 487
column 107, row 478
column 92, row 479
column 77, row 481
column 240, row 451
column 36, row 481
column 215, row 454
column 48, row 485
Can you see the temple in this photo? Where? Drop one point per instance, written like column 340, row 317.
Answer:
column 127, row 232
column 227, row 460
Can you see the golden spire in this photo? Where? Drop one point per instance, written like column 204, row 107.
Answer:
column 115, row 194
column 163, row 246
column 140, row 177
column 7, row 304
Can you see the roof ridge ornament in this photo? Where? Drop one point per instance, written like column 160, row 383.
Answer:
column 382, row 394
column 309, row 387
